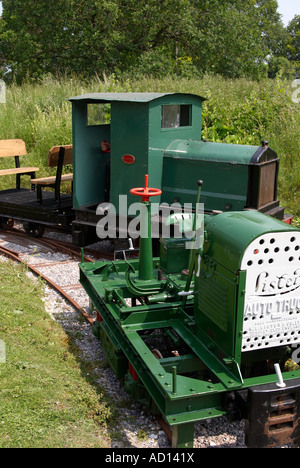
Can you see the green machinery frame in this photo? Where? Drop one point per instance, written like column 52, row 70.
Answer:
column 138, row 298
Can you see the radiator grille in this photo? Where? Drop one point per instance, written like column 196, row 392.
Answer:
column 267, row 184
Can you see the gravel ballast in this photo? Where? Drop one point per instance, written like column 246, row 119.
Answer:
column 137, row 428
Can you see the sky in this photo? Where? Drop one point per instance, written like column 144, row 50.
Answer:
column 287, row 8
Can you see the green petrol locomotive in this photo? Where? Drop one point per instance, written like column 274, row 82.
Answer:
column 160, row 134
column 213, row 330
column 119, row 137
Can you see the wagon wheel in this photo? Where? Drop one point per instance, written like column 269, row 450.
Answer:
column 34, row 229
column 6, row 223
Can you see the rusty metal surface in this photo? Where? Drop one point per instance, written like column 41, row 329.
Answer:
column 57, row 245
column 267, row 184
column 274, row 418
column 16, row 256
column 283, row 419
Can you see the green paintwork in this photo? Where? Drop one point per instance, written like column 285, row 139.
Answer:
column 89, row 161
column 135, row 129
column 237, row 231
column 207, row 327
column 118, row 97
column 174, row 257
column 223, row 167
column 219, row 296
column 146, row 255
column 174, row 158
column 206, row 151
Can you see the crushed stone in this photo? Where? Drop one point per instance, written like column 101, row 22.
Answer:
column 136, row 426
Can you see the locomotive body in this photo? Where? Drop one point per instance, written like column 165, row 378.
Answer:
column 237, row 177
column 208, row 333
column 117, row 138
column 160, row 134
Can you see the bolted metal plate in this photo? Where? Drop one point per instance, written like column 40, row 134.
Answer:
column 272, row 296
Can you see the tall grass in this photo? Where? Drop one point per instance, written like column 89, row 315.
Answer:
column 236, row 111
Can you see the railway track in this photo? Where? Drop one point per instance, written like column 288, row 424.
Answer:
column 41, row 255
column 44, row 255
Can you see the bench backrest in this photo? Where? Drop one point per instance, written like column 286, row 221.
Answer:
column 10, row 148
column 54, row 155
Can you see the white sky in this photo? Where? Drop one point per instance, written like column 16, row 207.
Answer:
column 287, row 8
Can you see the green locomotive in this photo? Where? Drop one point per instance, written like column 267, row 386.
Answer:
column 117, row 138
column 159, row 134
column 209, row 331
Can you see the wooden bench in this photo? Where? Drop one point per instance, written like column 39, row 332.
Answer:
column 59, row 156
column 15, row 148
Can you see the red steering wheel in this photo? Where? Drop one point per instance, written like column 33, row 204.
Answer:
column 146, row 192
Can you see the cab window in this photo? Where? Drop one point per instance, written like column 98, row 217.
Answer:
column 174, row 116
column 98, row 114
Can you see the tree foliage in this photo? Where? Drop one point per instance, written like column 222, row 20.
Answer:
column 88, row 37
column 293, row 46
column 285, row 60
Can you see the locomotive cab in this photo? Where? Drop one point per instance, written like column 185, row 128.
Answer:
column 138, row 127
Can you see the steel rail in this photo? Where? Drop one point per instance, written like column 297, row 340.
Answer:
column 16, row 256
column 13, row 255
column 61, row 246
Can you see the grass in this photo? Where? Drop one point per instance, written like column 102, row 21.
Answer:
column 48, row 397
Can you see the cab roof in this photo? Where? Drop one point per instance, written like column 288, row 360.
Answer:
column 129, row 97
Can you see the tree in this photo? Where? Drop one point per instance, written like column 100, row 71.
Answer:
column 281, row 67
column 87, row 36
column 33, row 36
column 285, row 58
column 293, row 46
column 231, row 38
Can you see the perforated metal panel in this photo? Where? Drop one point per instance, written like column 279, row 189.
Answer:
column 272, row 298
